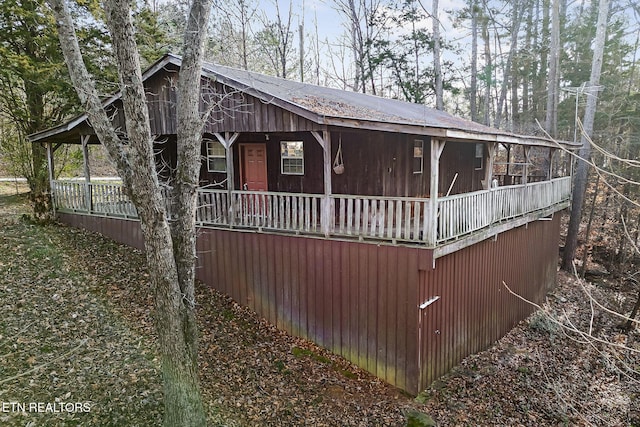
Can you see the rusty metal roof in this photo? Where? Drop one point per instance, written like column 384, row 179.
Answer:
column 331, row 107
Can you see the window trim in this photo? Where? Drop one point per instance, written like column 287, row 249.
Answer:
column 421, row 157
column 284, row 157
column 479, row 147
column 211, row 156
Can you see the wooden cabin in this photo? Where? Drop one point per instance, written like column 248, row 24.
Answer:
column 379, row 229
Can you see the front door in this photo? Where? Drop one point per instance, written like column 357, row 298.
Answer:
column 253, row 159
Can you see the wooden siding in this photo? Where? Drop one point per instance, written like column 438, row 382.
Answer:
column 376, row 164
column 474, row 309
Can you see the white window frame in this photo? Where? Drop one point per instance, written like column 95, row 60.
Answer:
column 211, row 155
column 479, row 154
column 421, row 156
column 285, row 156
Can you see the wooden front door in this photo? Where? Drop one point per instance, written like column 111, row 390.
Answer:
column 253, row 158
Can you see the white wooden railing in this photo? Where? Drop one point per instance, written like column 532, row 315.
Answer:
column 396, row 219
column 389, row 218
column 466, row 213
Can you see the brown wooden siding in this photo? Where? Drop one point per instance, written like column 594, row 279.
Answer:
column 241, row 112
column 376, row 164
column 475, row 309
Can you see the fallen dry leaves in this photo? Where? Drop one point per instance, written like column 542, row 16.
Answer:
column 76, row 308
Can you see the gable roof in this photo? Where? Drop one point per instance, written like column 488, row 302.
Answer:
column 324, row 106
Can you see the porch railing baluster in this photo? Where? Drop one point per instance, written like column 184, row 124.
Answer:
column 374, row 217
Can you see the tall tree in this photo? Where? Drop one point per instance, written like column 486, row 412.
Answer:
column 551, row 121
column 169, row 248
column 35, row 91
column 437, row 60
column 276, row 41
column 582, row 168
column 507, row 69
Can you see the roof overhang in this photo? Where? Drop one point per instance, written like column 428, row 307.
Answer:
column 72, row 131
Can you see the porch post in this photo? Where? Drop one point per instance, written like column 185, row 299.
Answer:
column 84, row 139
column 525, row 168
column 326, row 213
column 552, row 153
column 436, row 151
column 488, row 173
column 50, row 166
column 227, row 142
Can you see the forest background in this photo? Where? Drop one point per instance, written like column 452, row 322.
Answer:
column 520, row 65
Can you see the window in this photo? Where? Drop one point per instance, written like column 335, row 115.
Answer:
column 216, row 157
column 292, row 157
column 477, row 162
column 418, row 151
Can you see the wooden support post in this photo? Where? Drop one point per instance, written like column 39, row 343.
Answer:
column 326, row 217
column 552, row 153
column 437, row 146
column 227, row 142
column 507, row 178
column 50, row 166
column 525, row 168
column 84, row 139
column 488, row 173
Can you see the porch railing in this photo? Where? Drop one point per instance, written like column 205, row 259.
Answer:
column 366, row 217
column 466, row 213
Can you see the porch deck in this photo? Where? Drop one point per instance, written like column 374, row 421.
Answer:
column 387, row 219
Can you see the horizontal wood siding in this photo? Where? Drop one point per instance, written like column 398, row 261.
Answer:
column 474, row 309
column 358, row 300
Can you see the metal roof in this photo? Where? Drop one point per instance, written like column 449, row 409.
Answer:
column 332, row 107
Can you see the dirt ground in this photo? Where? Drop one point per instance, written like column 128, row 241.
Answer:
column 76, row 326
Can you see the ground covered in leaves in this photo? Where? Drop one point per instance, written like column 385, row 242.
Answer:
column 76, row 327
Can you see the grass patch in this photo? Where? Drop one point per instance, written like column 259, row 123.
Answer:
column 303, row 352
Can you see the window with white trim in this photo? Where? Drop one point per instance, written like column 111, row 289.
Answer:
column 292, row 157
column 418, row 155
column 477, row 162
column 216, row 157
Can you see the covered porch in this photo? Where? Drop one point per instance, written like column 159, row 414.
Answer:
column 422, row 221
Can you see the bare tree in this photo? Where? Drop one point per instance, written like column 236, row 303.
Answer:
column 517, row 13
column 551, row 122
column 437, row 61
column 473, row 6
column 169, row 248
column 582, row 169
column 276, row 40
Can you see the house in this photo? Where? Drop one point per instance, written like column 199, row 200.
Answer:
column 381, row 230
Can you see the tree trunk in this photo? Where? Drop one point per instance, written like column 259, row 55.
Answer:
column 551, row 120
column 473, row 95
column 488, row 66
column 506, row 75
column 437, row 66
column 170, row 256
column 582, row 169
